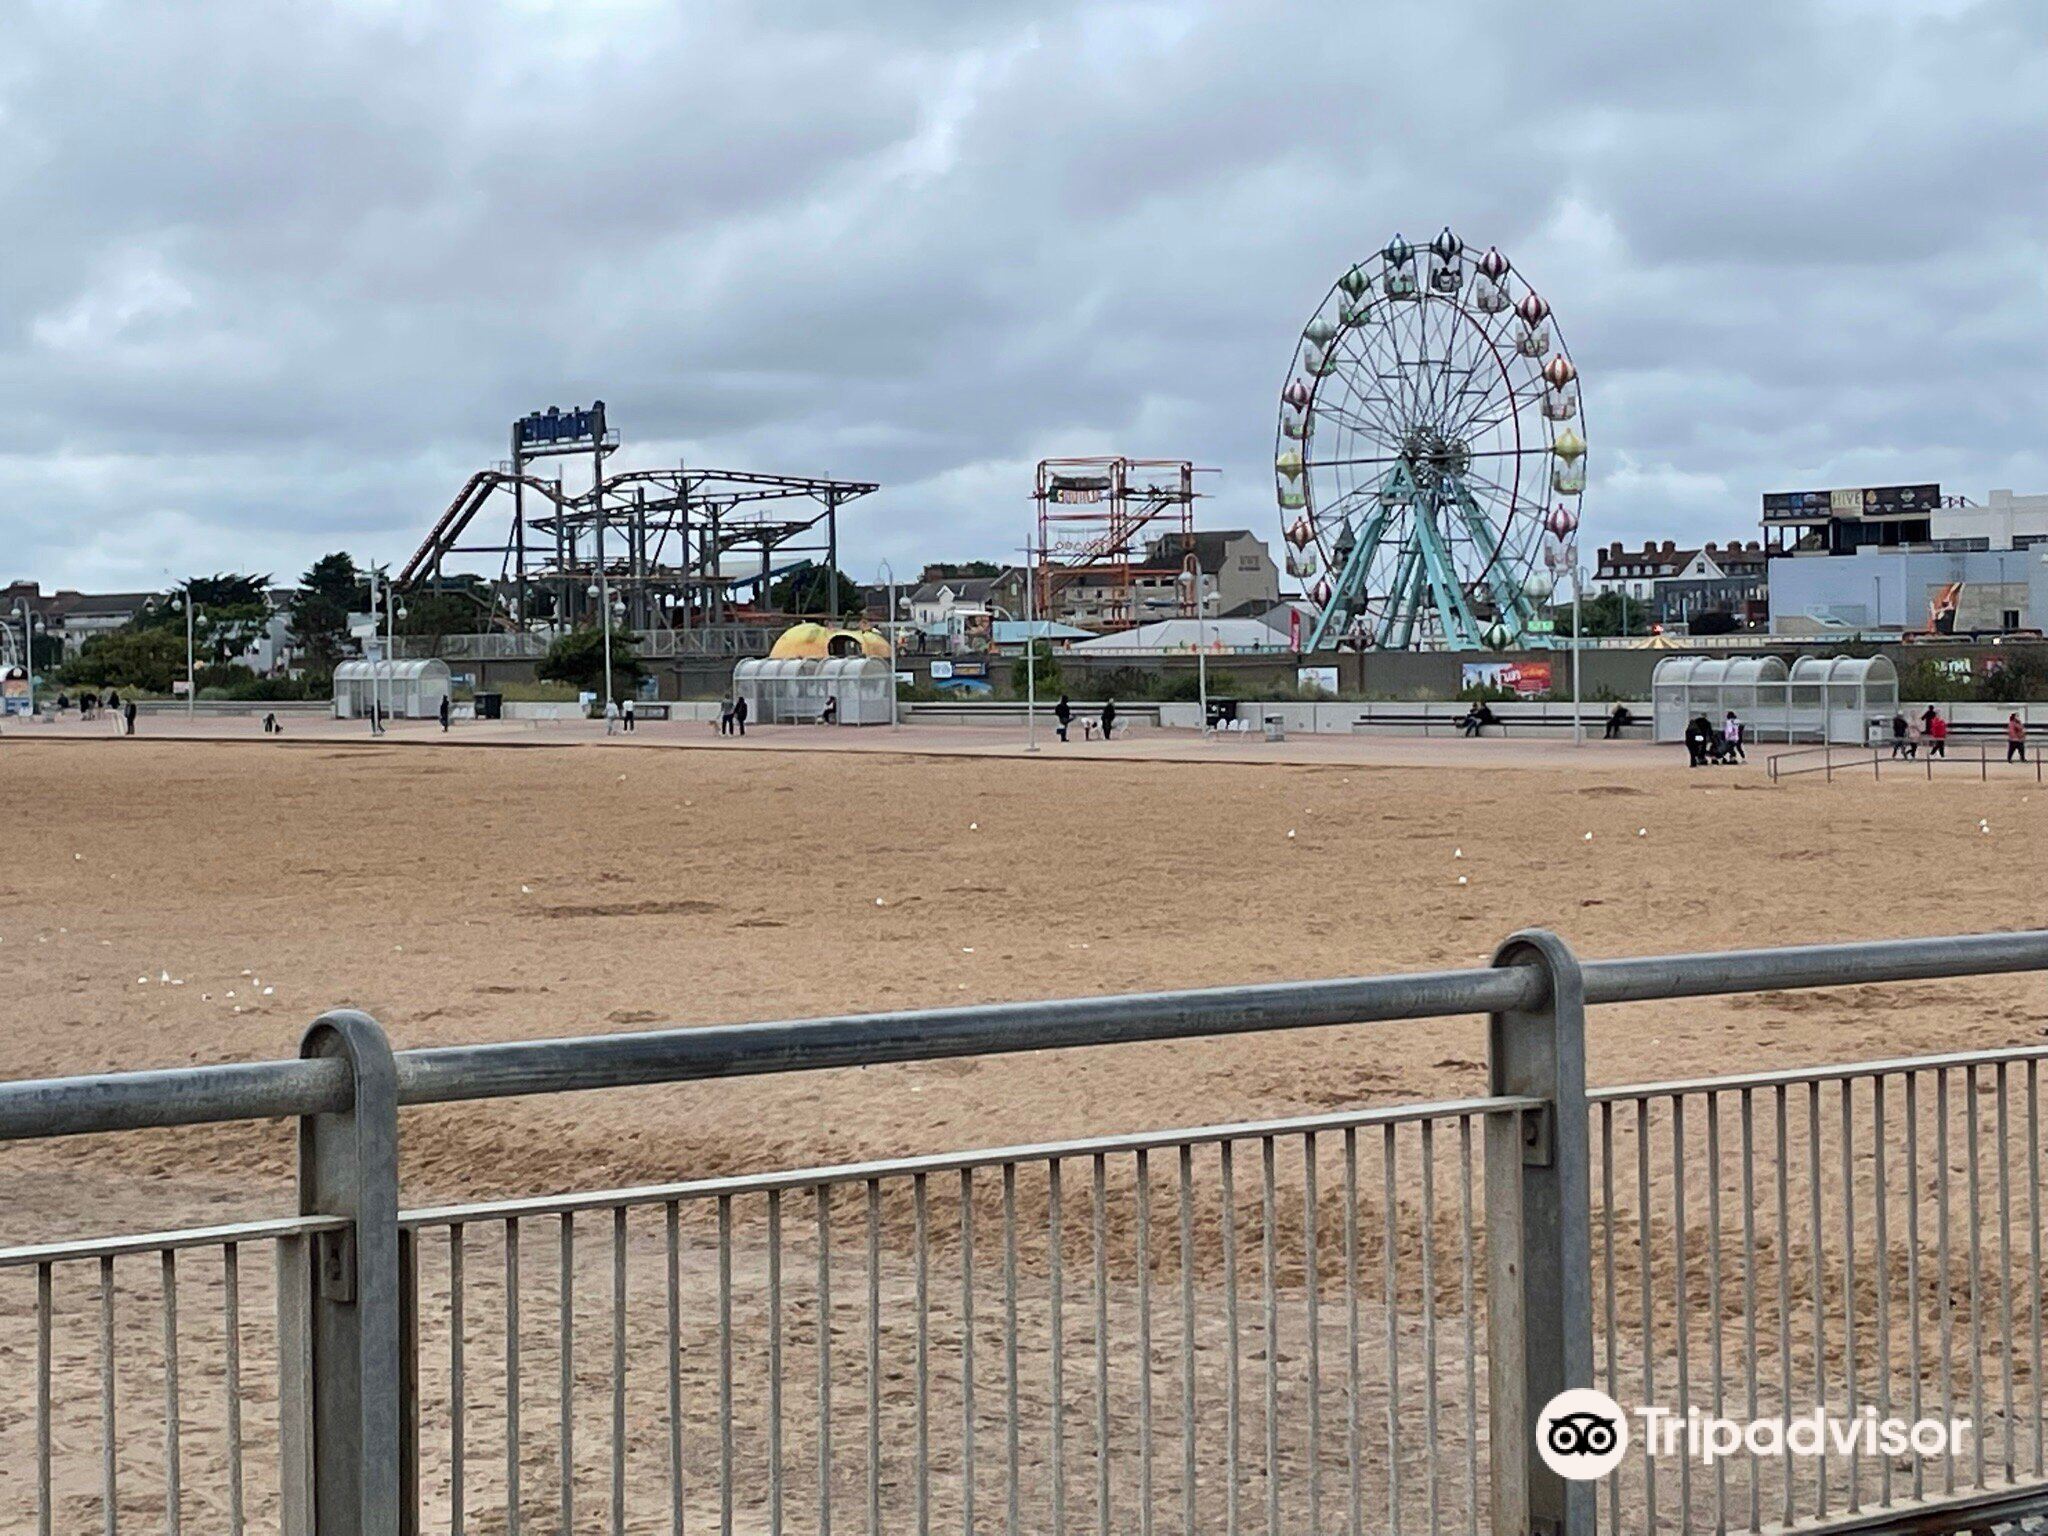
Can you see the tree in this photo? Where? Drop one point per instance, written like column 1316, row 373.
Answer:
column 808, row 589
column 1041, row 669
column 230, row 614
column 956, row 570
column 319, row 610
column 577, row 659
column 148, row 658
column 1606, row 614
column 438, row 614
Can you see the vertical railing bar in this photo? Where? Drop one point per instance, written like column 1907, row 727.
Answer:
column 1427, row 1131
column 1187, row 1337
column 1682, row 1324
column 45, row 1494
column 824, row 1199
column 725, row 1365
column 1972, row 1134
column 1012, row 1446
column 1354, row 1511
column 967, row 1351
column 1784, row 1130
column 1913, row 1263
column 231, row 1327
column 1613, row 1344
column 1311, row 1263
column 1056, row 1341
column 1716, row 1379
column 173, row 1481
column 1226, row 1160
column 1099, row 1253
column 672, row 1351
column 1270, row 1256
column 2034, row 1245
column 1390, row 1281
column 1853, row 1387
column 1144, row 1197
column 512, row 1455
column 1649, row 1300
column 874, row 1361
column 457, row 1375
column 566, row 1324
column 775, row 1362
column 920, row 1203
column 2005, row 1337
column 1754, row 1366
column 618, row 1370
column 1469, row 1302
column 110, row 1493
column 1881, row 1241
column 1820, row 1342
column 1947, row 1279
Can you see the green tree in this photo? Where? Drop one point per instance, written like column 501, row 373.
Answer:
column 1606, row 614
column 1044, row 664
column 148, row 658
column 577, row 659
column 437, row 614
column 328, row 593
column 808, row 589
column 230, row 613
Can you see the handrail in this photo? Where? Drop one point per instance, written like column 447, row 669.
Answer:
column 450, row 1074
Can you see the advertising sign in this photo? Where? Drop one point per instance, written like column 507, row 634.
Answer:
column 556, row 428
column 1524, row 679
column 14, row 693
column 1320, row 679
column 1859, row 501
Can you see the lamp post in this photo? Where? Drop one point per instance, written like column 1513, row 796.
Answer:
column 1192, row 575
column 29, row 624
column 601, row 590
column 186, row 601
column 1030, row 656
column 888, row 573
column 1578, row 588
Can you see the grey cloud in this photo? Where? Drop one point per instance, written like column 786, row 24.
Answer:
column 279, row 278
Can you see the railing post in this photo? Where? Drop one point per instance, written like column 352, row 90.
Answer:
column 1540, row 1300
column 348, row 1166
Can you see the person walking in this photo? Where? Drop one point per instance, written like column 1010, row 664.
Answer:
column 1937, row 734
column 1898, row 735
column 1697, row 735
column 725, row 704
column 1731, row 738
column 2015, row 738
column 128, row 718
column 1108, row 717
column 1913, row 739
column 446, row 712
column 626, row 714
column 739, row 714
column 1063, row 713
column 611, row 716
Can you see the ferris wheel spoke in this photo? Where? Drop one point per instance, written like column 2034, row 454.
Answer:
column 1383, row 420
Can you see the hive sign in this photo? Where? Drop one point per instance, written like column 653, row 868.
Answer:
column 555, row 426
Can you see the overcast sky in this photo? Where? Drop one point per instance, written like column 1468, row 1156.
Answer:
column 278, row 278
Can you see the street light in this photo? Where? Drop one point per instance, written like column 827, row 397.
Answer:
column 1192, row 576
column 186, row 602
column 888, row 572
column 30, row 623
column 602, row 592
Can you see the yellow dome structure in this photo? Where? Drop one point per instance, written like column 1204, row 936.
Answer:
column 812, row 641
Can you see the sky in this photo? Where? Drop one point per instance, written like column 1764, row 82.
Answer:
column 279, row 278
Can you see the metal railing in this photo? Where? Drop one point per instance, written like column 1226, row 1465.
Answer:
column 1340, row 1321
column 1830, row 761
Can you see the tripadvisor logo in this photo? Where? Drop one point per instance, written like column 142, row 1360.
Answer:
column 1582, row 1435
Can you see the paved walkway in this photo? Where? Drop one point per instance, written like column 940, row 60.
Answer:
column 1144, row 743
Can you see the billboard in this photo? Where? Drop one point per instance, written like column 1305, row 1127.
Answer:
column 1524, row 679
column 1858, row 501
column 555, row 427
column 14, row 691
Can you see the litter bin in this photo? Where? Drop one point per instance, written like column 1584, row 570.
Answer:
column 1276, row 729
column 488, row 706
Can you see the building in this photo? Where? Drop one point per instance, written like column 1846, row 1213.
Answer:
column 1903, row 558
column 946, row 610
column 1237, row 568
column 1634, row 573
column 73, row 617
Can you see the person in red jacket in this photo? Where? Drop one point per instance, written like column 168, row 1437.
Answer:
column 1937, row 735
column 2015, row 738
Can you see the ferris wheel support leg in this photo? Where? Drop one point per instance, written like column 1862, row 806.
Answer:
column 1446, row 594
column 1506, row 596
column 1345, row 597
column 1409, row 597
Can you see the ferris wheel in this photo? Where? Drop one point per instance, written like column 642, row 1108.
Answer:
column 1430, row 460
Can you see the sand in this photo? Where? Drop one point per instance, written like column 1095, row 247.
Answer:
column 168, row 902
